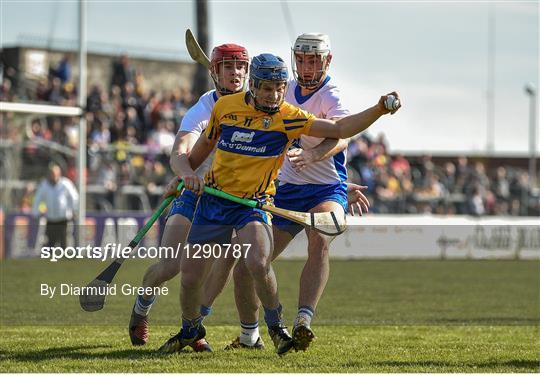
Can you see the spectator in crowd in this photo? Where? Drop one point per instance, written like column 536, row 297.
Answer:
column 501, row 185
column 476, row 203
column 26, row 199
column 62, row 70
column 55, row 95
column 163, row 137
column 399, row 164
column 122, row 72
column 101, row 137
column 58, row 134
column 462, row 168
column 61, row 199
column 132, row 120
column 6, row 94
column 93, row 100
column 107, row 178
column 449, row 177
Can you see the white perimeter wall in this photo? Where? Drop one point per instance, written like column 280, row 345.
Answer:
column 419, row 236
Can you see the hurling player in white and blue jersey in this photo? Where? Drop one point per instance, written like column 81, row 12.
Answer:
column 229, row 67
column 312, row 179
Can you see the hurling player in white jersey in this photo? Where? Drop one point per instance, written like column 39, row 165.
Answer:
column 229, row 68
column 312, row 179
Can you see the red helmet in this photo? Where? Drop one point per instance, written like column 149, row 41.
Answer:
column 222, row 53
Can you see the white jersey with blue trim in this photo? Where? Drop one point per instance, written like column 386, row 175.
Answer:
column 196, row 120
column 324, row 103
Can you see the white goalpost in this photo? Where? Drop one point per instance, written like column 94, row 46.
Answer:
column 65, row 111
column 60, row 111
column 40, row 109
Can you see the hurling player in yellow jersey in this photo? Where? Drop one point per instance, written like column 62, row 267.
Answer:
column 252, row 132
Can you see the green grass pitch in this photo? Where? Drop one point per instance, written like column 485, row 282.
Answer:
column 375, row 316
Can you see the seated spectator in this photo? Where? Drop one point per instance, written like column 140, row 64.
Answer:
column 501, row 185
column 107, row 177
column 101, row 137
column 93, row 101
column 58, row 134
column 399, row 164
column 6, row 94
column 476, row 202
column 449, row 177
column 163, row 137
column 55, row 94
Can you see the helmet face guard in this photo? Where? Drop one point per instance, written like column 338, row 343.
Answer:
column 272, row 106
column 310, row 59
column 223, row 54
column 268, row 72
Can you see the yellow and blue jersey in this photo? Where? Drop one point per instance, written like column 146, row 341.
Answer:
column 251, row 144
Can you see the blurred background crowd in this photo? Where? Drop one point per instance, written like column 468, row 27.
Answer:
column 131, row 130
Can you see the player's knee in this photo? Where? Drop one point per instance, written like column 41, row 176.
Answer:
column 240, row 272
column 191, row 279
column 161, row 272
column 170, row 269
column 258, row 267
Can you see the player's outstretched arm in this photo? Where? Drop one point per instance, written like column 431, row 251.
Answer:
column 351, row 125
column 329, row 147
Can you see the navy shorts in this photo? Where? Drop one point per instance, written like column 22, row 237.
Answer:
column 184, row 205
column 215, row 218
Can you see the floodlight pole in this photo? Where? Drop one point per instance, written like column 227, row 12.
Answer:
column 490, row 108
column 530, row 90
column 201, row 79
column 81, row 159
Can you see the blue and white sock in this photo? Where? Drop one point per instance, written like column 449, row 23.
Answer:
column 249, row 333
column 205, row 311
column 142, row 306
column 190, row 328
column 305, row 314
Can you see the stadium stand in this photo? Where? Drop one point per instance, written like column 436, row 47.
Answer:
column 131, row 131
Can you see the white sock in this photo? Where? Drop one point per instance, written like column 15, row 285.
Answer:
column 249, row 333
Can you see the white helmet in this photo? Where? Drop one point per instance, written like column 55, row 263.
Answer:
column 316, row 44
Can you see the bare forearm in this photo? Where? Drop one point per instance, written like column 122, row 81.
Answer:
column 182, row 165
column 328, row 148
column 200, row 152
column 183, row 144
column 179, row 164
column 357, row 123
